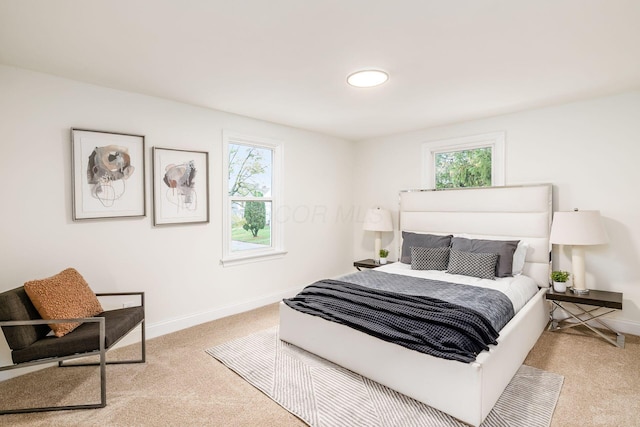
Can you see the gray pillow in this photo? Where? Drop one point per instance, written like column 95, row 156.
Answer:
column 429, row 258
column 472, row 264
column 418, row 240
column 504, row 249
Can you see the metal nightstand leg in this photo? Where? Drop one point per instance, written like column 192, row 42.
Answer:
column 582, row 319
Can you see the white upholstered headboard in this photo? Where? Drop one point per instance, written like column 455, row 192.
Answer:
column 499, row 213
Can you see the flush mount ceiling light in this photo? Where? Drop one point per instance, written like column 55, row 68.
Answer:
column 367, row 78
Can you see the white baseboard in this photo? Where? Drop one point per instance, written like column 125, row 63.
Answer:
column 164, row 327
column 11, row 374
column 173, row 325
column 623, row 326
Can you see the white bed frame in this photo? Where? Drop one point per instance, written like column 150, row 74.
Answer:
column 467, row 391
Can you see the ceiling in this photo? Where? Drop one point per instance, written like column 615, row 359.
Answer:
column 286, row 61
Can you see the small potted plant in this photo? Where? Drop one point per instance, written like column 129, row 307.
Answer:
column 560, row 278
column 383, row 256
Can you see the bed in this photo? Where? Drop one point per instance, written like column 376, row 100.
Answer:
column 467, row 391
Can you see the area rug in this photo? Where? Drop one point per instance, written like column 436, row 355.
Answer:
column 322, row 393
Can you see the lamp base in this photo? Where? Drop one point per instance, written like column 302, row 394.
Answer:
column 378, row 245
column 580, row 291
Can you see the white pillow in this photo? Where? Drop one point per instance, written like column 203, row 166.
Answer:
column 519, row 257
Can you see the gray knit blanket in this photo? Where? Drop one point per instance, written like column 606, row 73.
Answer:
column 457, row 325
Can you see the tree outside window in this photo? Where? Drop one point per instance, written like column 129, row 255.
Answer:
column 471, row 161
column 251, row 184
column 464, row 168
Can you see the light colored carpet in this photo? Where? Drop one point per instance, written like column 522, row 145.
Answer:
column 324, row 394
column 181, row 385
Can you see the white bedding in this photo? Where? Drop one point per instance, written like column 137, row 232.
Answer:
column 519, row 289
column 466, row 391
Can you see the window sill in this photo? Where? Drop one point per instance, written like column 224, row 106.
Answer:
column 254, row 257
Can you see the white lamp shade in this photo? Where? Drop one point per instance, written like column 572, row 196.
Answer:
column 378, row 219
column 578, row 228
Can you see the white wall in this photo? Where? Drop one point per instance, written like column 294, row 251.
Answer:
column 589, row 151
column 177, row 266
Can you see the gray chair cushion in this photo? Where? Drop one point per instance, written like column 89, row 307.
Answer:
column 16, row 305
column 83, row 339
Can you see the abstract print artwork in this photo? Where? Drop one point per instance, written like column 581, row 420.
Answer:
column 108, row 174
column 180, row 186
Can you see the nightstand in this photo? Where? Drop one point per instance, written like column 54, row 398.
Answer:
column 600, row 303
column 368, row 263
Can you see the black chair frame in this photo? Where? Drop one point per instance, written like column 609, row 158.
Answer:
column 101, row 352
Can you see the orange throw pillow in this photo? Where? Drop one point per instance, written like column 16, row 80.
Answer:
column 63, row 296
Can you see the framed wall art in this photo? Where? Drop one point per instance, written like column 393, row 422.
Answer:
column 180, row 186
column 108, row 174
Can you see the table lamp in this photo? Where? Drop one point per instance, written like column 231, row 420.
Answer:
column 578, row 229
column 378, row 220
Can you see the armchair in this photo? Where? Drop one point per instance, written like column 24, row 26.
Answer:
column 28, row 337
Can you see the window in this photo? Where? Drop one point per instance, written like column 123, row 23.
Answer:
column 251, row 189
column 473, row 161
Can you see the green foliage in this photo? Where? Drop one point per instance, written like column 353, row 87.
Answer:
column 243, row 166
column 255, row 215
column 238, row 234
column 384, row 253
column 559, row 276
column 467, row 168
column 246, row 165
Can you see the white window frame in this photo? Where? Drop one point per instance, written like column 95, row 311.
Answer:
column 493, row 140
column 276, row 250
